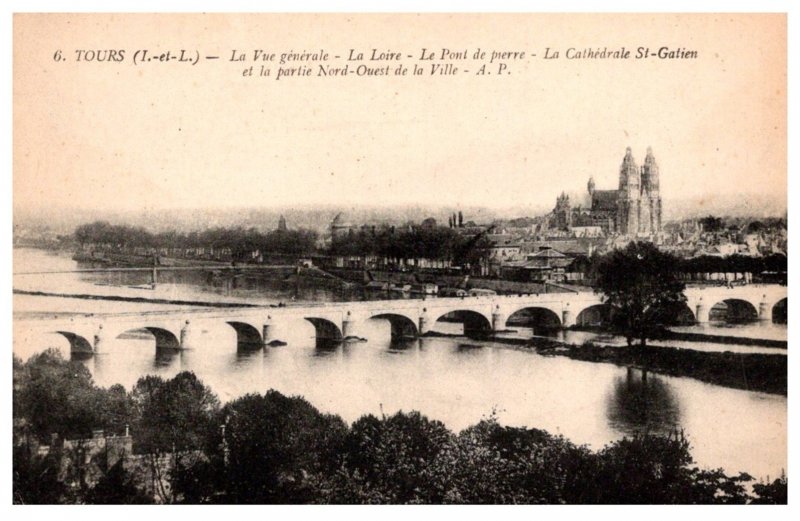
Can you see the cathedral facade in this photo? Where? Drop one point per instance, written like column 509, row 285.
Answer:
column 633, row 209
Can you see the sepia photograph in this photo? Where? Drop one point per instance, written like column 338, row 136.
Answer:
column 399, row 258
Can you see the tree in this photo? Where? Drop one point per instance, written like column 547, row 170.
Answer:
column 36, row 478
column 489, row 463
column 117, row 487
column 54, row 395
column 650, row 469
column 173, row 416
column 196, row 482
column 391, row 459
column 755, row 227
column 272, row 448
column 642, row 285
column 711, row 223
column 775, row 493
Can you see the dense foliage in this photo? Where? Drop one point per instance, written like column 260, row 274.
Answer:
column 711, row 223
column 641, row 285
column 734, row 264
column 172, row 415
column 55, row 396
column 275, row 449
column 429, row 242
column 240, row 240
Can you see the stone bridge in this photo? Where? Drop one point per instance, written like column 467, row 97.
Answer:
column 257, row 327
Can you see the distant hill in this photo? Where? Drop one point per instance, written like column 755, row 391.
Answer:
column 316, row 218
column 64, row 221
column 726, row 205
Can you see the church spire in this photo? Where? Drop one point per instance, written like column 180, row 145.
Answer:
column 629, row 175
column 650, row 173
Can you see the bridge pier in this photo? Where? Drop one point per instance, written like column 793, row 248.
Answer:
column 187, row 339
column 498, row 320
column 424, row 322
column 765, row 310
column 702, row 311
column 100, row 343
column 266, row 331
column 347, row 326
column 567, row 318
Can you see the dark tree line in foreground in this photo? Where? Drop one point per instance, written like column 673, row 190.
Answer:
column 275, row 449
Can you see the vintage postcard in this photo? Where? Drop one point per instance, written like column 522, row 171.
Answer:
column 400, row 258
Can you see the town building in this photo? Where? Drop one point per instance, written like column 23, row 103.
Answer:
column 546, row 264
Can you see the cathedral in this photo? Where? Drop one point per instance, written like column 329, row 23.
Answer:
column 634, row 208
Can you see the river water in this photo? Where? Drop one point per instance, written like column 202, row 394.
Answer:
column 455, row 380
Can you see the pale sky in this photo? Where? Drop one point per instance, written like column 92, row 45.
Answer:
column 119, row 136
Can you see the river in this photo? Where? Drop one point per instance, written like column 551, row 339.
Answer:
column 455, row 380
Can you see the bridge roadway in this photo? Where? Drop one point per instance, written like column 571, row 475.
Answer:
column 257, row 327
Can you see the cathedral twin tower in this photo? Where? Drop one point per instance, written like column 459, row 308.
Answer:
column 639, row 208
column 633, row 209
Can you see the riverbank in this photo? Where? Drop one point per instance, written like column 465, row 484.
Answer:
column 722, row 339
column 750, row 372
column 503, row 287
column 667, row 334
column 136, row 299
column 327, row 277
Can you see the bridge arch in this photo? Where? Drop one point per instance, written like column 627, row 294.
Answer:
column 325, row 329
column 780, row 311
column 733, row 310
column 77, row 343
column 248, row 337
column 402, row 326
column 165, row 339
column 475, row 322
column 534, row 316
column 594, row 315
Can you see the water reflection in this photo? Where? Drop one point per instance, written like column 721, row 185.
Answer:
column 401, row 345
column 247, row 354
column 458, row 381
column 642, row 403
column 165, row 357
column 326, row 347
column 468, row 348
